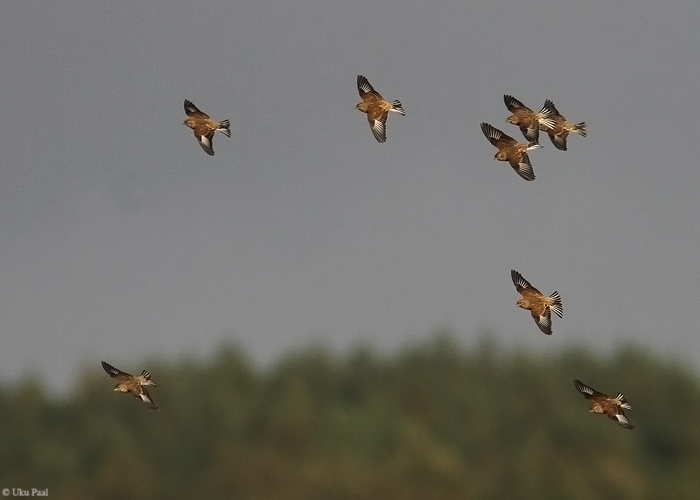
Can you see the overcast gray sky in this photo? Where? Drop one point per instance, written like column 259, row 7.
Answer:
column 120, row 239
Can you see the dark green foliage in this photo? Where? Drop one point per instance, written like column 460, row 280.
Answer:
column 433, row 421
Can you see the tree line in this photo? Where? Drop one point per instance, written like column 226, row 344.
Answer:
column 433, row 420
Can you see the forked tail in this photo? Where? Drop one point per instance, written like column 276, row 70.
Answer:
column 557, row 307
column 397, row 107
column 580, row 129
column 225, row 128
column 147, row 377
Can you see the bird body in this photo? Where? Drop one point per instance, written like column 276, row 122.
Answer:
column 533, row 300
column 527, row 120
column 133, row 385
column 204, row 127
column 605, row 405
column 559, row 129
column 509, row 150
column 376, row 108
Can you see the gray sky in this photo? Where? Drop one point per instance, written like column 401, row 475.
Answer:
column 120, row 239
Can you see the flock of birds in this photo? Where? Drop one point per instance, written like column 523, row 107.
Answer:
column 377, row 109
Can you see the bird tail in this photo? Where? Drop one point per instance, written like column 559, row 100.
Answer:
column 147, row 377
column 580, row 129
column 397, row 108
column 224, row 128
column 556, row 306
column 534, row 145
column 622, row 401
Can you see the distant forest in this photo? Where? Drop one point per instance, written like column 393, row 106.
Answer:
column 431, row 421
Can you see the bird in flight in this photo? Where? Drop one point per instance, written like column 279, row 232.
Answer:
column 376, row 107
column 204, row 127
column 540, row 307
column 134, row 385
column 559, row 129
column 527, row 120
column 602, row 404
column 509, row 150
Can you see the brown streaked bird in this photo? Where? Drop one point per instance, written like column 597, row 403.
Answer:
column 560, row 129
column 376, row 107
column 602, row 404
column 527, row 120
column 204, row 127
column 134, row 385
column 540, row 307
column 509, row 150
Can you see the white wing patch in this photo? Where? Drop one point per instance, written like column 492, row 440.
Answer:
column 492, row 132
column 364, row 84
column 518, row 280
column 526, row 172
column 147, row 399
column 559, row 142
column 379, row 130
column 624, row 421
column 621, row 401
column 545, row 324
column 532, row 134
column 583, row 388
column 547, row 122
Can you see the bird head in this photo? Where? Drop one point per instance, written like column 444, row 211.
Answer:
column 521, row 303
column 121, row 388
column 511, row 119
column 596, row 408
